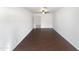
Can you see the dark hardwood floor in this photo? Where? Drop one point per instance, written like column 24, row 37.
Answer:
column 44, row 40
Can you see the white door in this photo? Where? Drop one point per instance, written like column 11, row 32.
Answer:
column 37, row 21
column 47, row 20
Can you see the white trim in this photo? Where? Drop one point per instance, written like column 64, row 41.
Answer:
column 67, row 40
column 20, row 41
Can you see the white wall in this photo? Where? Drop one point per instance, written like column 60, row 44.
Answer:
column 66, row 22
column 15, row 24
column 45, row 20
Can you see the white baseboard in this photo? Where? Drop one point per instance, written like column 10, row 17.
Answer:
column 68, row 40
column 20, row 41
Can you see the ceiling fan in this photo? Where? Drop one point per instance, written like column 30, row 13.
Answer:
column 44, row 10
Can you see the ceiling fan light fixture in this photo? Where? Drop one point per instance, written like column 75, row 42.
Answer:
column 44, row 10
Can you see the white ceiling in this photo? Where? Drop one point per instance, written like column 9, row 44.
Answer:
column 37, row 9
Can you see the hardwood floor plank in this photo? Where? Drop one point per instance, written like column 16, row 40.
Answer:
column 44, row 40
